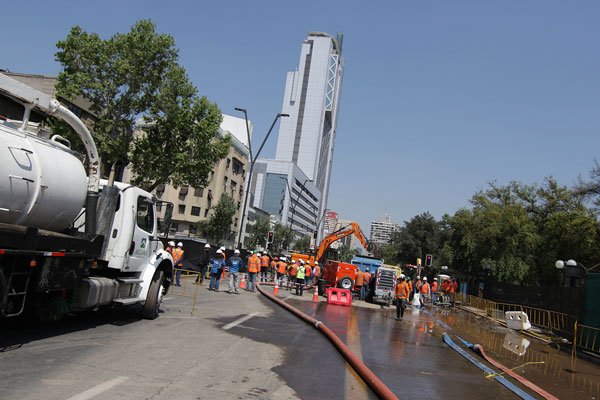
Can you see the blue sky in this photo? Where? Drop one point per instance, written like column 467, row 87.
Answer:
column 439, row 97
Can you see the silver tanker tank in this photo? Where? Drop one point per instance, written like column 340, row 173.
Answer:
column 42, row 182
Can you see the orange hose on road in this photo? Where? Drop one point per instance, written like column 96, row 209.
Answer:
column 365, row 373
column 514, row 375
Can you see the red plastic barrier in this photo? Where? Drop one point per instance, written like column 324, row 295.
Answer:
column 342, row 297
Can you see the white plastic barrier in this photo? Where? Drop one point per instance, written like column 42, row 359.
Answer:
column 517, row 320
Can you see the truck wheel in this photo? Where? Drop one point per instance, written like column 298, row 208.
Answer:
column 345, row 283
column 153, row 300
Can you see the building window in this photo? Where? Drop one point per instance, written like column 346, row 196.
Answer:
column 199, row 192
column 237, row 167
column 193, row 229
column 195, row 211
column 181, row 209
column 233, row 187
column 225, row 184
column 228, row 164
column 212, row 176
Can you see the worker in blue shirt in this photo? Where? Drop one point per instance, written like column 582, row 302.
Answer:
column 216, row 269
column 234, row 264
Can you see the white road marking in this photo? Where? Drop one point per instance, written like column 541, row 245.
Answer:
column 99, row 389
column 167, row 298
column 240, row 320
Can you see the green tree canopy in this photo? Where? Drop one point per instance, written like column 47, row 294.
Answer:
column 302, row 244
column 218, row 226
column 136, row 75
column 258, row 235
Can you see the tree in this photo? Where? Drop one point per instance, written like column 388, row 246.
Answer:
column 419, row 236
column 302, row 244
column 345, row 253
column 218, row 226
column 282, row 238
column 136, row 76
column 259, row 231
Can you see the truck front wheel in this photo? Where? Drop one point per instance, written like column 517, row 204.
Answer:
column 152, row 304
column 345, row 283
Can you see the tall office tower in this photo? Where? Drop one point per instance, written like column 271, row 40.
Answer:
column 311, row 98
column 382, row 229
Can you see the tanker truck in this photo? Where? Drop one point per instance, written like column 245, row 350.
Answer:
column 69, row 241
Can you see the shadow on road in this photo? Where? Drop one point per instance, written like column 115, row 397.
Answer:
column 14, row 333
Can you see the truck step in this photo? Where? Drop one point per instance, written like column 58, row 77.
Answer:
column 128, row 300
column 130, row 280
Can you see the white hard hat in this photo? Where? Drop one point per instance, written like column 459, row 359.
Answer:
column 222, row 248
column 435, row 279
column 282, row 258
column 236, row 251
column 425, row 278
column 258, row 254
column 402, row 276
column 207, row 246
column 316, row 263
column 171, row 243
column 418, row 277
column 179, row 244
column 219, row 251
column 301, row 261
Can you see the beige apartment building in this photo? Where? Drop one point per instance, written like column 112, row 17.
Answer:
column 192, row 205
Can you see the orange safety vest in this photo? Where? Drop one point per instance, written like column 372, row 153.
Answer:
column 307, row 270
column 178, row 257
column 434, row 287
column 253, row 263
column 273, row 264
column 264, row 261
column 317, row 270
column 281, row 267
column 424, row 288
column 359, row 278
column 293, row 270
column 367, row 277
column 402, row 290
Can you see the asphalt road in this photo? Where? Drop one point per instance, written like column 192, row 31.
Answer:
column 246, row 347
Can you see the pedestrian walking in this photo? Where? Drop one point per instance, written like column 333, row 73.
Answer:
column 234, row 264
column 425, row 291
column 216, row 269
column 264, row 267
column 300, row 274
column 253, row 268
column 401, row 294
column 178, row 262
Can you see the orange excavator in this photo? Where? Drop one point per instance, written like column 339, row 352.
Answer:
column 351, row 228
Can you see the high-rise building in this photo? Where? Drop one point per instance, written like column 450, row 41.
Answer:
column 382, row 229
column 311, row 98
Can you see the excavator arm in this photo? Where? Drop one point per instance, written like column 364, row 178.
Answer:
column 352, row 228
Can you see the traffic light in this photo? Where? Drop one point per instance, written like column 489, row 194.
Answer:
column 428, row 260
column 270, row 237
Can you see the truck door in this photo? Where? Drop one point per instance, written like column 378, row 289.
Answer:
column 140, row 248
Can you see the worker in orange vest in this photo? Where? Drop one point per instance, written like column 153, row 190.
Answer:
column 307, row 273
column 264, row 267
column 366, row 283
column 281, row 270
column 253, row 268
column 434, row 290
column 358, row 282
column 425, row 291
column 316, row 272
column 178, row 262
column 291, row 274
column 170, row 247
column 273, row 269
column 401, row 294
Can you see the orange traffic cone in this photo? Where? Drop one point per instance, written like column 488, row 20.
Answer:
column 276, row 288
column 243, row 282
column 316, row 294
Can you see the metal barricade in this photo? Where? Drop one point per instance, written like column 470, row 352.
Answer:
column 188, row 286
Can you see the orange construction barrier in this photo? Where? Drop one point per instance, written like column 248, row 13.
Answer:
column 243, row 282
column 276, row 288
column 341, row 297
column 316, row 295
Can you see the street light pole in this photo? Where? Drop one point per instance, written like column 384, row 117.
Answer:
column 252, row 161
